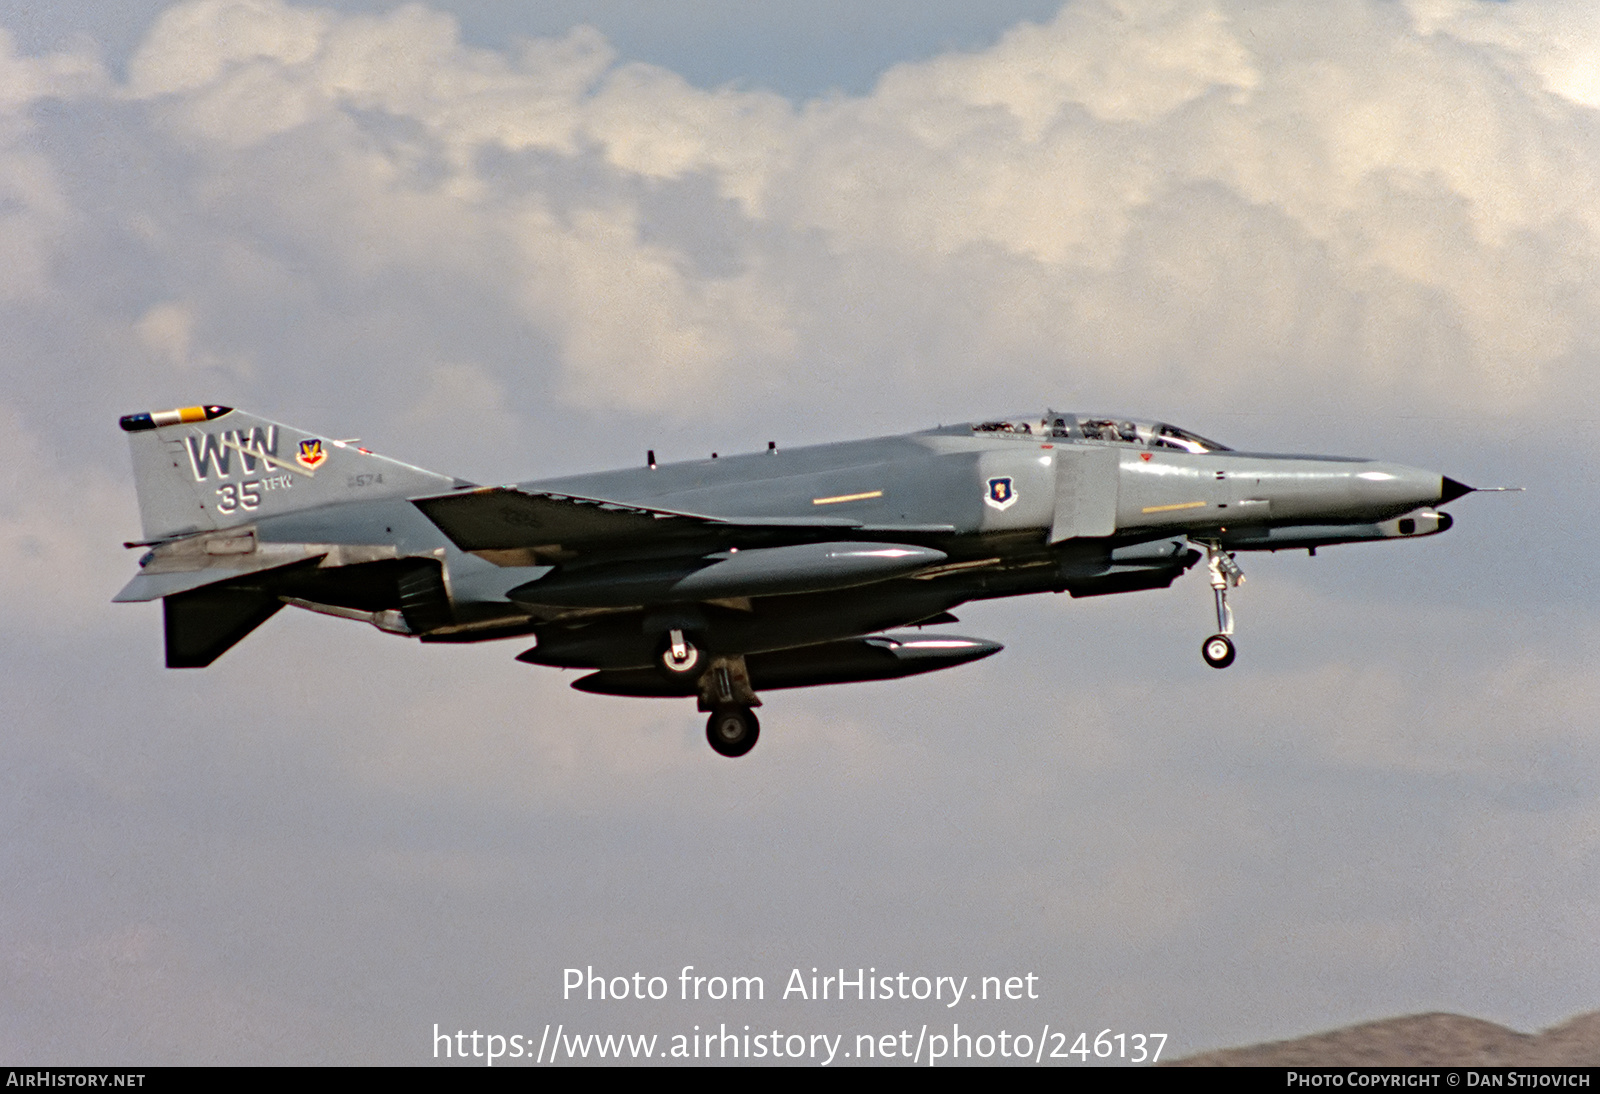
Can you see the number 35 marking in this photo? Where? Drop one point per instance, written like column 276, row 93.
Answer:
column 244, row 496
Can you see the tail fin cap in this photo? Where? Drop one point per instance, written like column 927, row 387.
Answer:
column 137, row 423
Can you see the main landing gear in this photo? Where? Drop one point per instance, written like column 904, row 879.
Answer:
column 733, row 730
column 679, row 657
column 1225, row 573
column 725, row 691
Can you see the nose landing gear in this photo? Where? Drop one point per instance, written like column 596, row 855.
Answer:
column 1218, row 650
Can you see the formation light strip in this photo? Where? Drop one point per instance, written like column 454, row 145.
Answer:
column 847, row 497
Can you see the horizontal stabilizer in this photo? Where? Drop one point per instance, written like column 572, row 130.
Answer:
column 145, row 587
column 212, row 558
column 204, row 624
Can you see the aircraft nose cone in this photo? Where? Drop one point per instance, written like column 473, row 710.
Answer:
column 1450, row 490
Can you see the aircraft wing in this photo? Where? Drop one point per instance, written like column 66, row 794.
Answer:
column 503, row 518
column 512, row 526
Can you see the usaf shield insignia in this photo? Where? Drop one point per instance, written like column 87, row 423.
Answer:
column 1001, row 494
column 310, row 453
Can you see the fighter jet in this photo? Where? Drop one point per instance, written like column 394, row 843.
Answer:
column 718, row 579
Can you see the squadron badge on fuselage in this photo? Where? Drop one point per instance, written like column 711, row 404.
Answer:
column 1001, row 494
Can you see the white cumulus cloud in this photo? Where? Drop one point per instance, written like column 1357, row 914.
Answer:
column 1226, row 198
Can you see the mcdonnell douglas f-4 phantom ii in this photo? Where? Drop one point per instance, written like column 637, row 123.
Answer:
column 720, row 578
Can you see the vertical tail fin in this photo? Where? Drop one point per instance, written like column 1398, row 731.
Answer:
column 205, row 468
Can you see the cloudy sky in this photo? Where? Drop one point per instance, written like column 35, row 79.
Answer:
column 509, row 240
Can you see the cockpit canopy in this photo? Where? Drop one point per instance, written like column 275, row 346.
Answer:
column 1058, row 426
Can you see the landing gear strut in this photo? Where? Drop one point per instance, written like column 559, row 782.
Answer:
column 1218, row 649
column 725, row 691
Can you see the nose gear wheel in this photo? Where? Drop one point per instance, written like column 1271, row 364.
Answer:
column 1218, row 651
